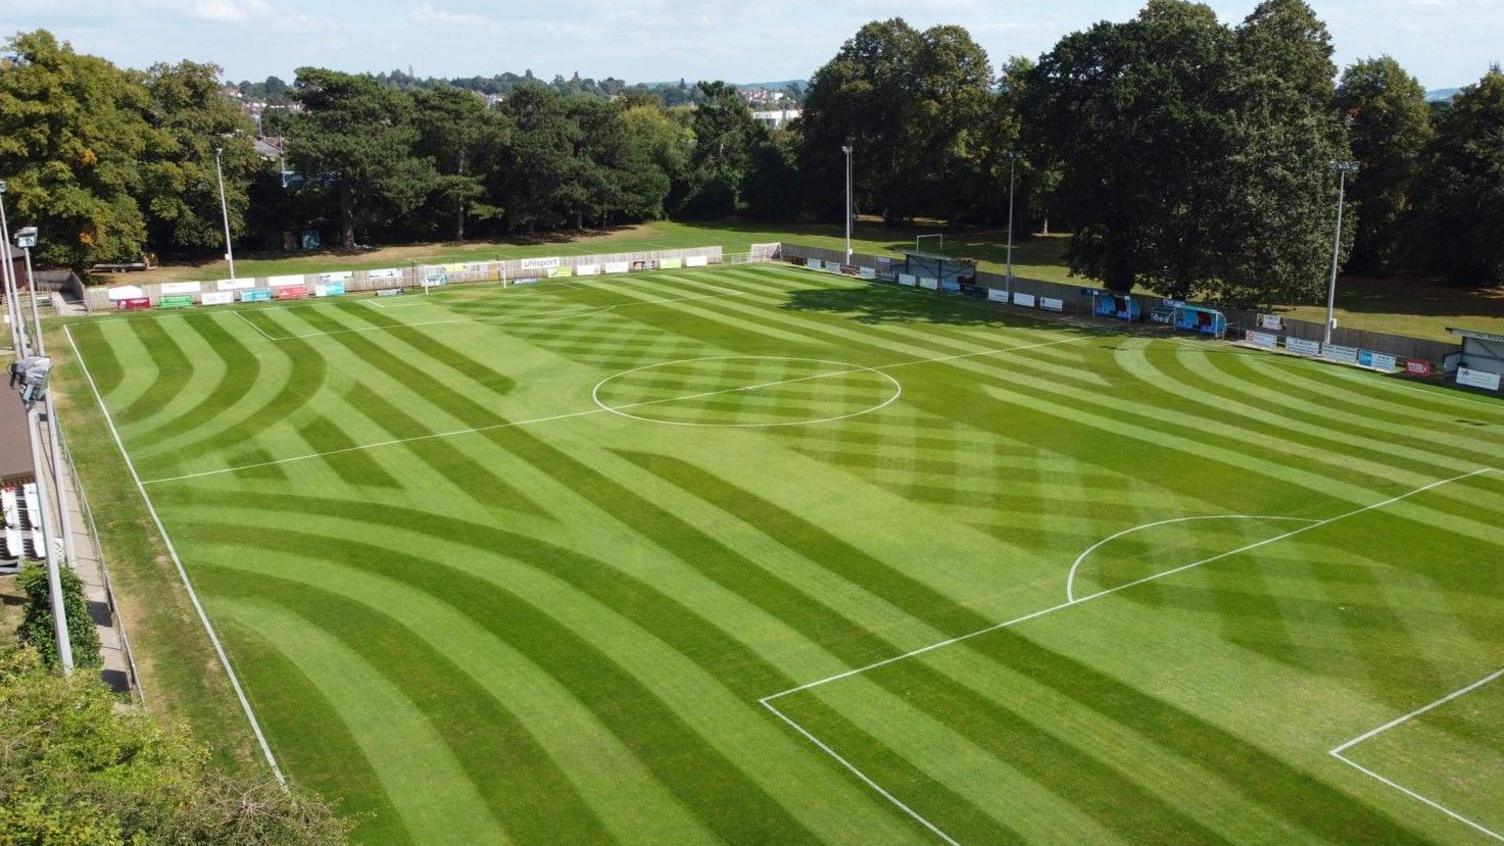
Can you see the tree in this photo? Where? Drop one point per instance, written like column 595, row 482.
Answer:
column 1133, row 117
column 179, row 186
column 356, row 138
column 725, row 134
column 461, row 136
column 1278, row 210
column 538, row 182
column 917, row 106
column 1390, row 124
column 770, row 189
column 37, row 628
column 79, row 769
column 72, row 133
column 1458, row 212
column 659, row 145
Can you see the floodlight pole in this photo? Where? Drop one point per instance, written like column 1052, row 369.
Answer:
column 1343, row 169
column 65, row 522
column 224, row 209
column 54, row 574
column 1012, row 162
column 847, row 149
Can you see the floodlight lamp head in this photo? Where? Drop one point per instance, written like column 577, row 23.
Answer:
column 2, row 186
column 1345, row 167
column 26, row 237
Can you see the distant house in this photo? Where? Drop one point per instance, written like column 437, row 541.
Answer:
column 776, row 119
column 269, row 147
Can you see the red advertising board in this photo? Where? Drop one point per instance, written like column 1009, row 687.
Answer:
column 292, row 292
column 1419, row 367
column 133, row 304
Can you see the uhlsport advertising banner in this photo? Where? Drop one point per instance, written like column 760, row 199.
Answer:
column 1301, row 346
column 540, row 263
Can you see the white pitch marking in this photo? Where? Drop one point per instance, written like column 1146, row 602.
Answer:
column 595, row 393
column 1071, row 579
column 1416, row 796
column 1040, row 613
column 1418, row 711
column 203, row 616
column 253, row 325
column 861, row 775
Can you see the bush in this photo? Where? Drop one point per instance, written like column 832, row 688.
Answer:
column 36, row 628
column 77, row 770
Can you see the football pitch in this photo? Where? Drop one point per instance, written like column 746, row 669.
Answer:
column 760, row 555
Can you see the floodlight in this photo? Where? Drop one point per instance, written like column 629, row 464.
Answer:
column 26, row 237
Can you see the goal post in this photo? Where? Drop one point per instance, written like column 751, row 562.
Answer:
column 935, row 241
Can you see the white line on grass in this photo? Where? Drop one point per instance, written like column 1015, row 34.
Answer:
column 203, row 616
column 861, row 775
column 1336, row 752
column 1070, row 579
column 1418, row 711
column 589, row 411
column 767, row 701
column 254, row 326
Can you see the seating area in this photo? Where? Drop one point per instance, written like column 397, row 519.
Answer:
column 23, row 522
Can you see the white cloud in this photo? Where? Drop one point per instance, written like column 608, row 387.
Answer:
column 229, row 11
column 426, row 13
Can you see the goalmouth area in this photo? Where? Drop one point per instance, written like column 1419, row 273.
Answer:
column 756, row 554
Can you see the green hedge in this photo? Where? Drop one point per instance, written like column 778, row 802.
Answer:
column 36, row 628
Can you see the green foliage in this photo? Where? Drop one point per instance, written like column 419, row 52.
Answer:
column 77, row 770
column 72, row 134
column 179, row 187
column 356, row 137
column 917, row 105
column 725, row 135
column 37, row 626
column 1390, row 125
column 1194, row 158
column 1458, row 214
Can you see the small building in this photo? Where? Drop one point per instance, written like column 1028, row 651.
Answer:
column 1480, row 362
column 15, row 446
column 776, row 119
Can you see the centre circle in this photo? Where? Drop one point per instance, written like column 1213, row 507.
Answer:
column 746, row 391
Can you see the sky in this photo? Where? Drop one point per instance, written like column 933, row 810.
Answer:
column 1444, row 43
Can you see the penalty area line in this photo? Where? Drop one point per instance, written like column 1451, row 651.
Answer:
column 767, row 701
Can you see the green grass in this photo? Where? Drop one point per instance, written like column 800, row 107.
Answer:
column 477, row 606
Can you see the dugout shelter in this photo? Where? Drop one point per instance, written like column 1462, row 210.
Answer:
column 1118, row 306
column 1193, row 318
column 947, row 274
column 1480, row 362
